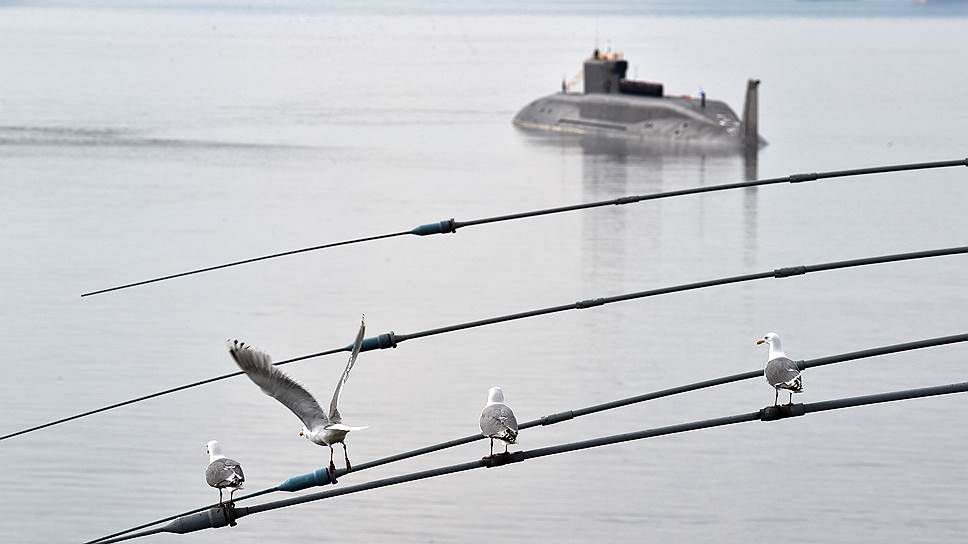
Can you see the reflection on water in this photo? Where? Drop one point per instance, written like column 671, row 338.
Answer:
column 615, row 167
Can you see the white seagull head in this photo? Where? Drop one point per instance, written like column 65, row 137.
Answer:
column 495, row 396
column 771, row 338
column 214, row 450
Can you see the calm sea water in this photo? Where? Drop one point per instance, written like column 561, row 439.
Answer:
column 140, row 142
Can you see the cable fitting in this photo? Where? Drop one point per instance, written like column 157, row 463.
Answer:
column 499, row 459
column 213, row 518
column 783, row 411
column 789, row 271
column 228, row 511
column 557, row 418
column 626, row 200
column 590, row 303
column 800, row 178
column 315, row 478
column 382, row 341
column 441, row 227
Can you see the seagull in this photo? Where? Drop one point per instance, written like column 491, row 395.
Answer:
column 318, row 427
column 223, row 473
column 780, row 371
column 497, row 420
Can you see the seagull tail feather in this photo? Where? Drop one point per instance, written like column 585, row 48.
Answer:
column 347, row 428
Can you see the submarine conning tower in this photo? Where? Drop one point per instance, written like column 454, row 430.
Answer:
column 605, row 73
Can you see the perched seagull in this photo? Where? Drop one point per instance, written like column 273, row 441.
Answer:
column 780, row 371
column 317, row 426
column 497, row 420
column 223, row 473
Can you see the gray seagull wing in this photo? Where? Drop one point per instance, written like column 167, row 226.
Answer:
column 258, row 367
column 498, row 421
column 224, row 473
column 781, row 372
column 334, row 416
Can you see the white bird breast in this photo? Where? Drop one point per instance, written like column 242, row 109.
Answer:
column 328, row 437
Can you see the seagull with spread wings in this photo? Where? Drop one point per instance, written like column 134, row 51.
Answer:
column 318, row 427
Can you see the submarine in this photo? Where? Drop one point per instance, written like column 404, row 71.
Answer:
column 616, row 107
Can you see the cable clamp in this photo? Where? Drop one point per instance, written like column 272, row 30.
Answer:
column 789, row 271
column 557, row 418
column 382, row 341
column 228, row 513
column 499, row 459
column 590, row 303
column 783, row 411
column 800, row 178
column 388, row 340
column 625, row 200
column 446, row 226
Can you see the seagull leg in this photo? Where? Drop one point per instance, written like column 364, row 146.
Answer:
column 791, row 398
column 220, row 496
column 332, row 465
column 347, row 458
column 492, row 445
column 505, row 447
column 776, row 398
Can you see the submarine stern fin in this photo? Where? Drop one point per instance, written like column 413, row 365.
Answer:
column 751, row 135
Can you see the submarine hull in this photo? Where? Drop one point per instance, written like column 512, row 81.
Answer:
column 665, row 121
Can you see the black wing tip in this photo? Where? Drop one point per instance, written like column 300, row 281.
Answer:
column 360, row 337
column 253, row 358
column 235, row 345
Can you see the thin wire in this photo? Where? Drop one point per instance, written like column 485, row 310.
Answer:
column 394, row 340
column 570, row 414
column 246, row 261
column 793, row 178
column 770, row 413
column 159, row 394
column 776, row 273
column 454, row 225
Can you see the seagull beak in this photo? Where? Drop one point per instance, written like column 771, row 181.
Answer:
column 760, row 341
